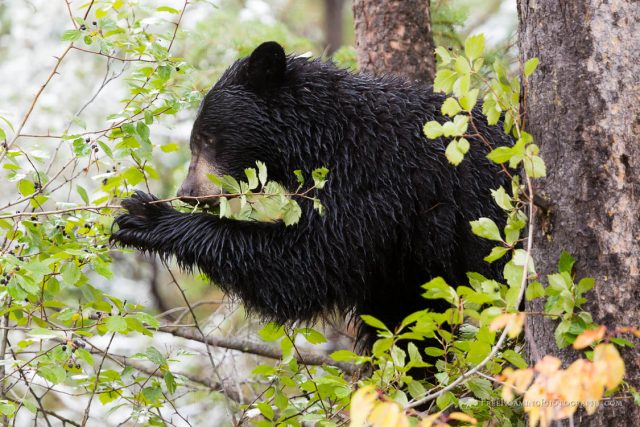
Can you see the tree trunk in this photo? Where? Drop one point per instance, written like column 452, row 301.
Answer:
column 583, row 110
column 333, row 25
column 394, row 36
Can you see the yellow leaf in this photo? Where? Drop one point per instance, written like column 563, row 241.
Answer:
column 606, row 356
column 513, row 322
column 587, row 338
column 461, row 416
column 548, row 365
column 388, row 414
column 362, row 403
column 429, row 420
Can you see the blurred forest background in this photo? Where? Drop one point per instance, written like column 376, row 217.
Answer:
column 87, row 92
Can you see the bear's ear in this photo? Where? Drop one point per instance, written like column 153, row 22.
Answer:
column 267, row 66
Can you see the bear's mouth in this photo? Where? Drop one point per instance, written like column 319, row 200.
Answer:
column 204, row 202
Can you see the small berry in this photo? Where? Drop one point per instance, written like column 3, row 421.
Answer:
column 94, row 23
column 64, row 348
column 87, row 140
column 83, row 27
column 104, row 181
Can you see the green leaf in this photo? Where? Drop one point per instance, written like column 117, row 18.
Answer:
column 271, row 332
column 502, row 198
column 444, row 81
column 474, row 46
column 344, row 356
column 170, row 382
column 450, row 107
column 500, row 154
column 585, row 284
column 461, row 85
column 53, row 374
column 566, row 262
column 70, row 273
column 433, row 130
column 167, row 9
column 313, row 336
column 71, row 35
column 444, row 55
column 155, row 356
column 496, row 253
column 469, row 100
column 535, row 167
column 416, row 389
column 319, row 177
column 456, row 150
column 116, row 324
column 485, row 227
column 515, row 359
column 373, row 322
column 164, row 72
column 169, row 148
column 252, row 178
column 262, row 173
column 446, row 399
column 26, row 187
column 560, row 334
column 530, row 66
column 265, row 409
column 83, row 193
column 534, row 290
column 462, row 66
column 480, row 387
column 291, row 213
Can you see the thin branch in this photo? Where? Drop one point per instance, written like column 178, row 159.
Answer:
column 85, row 418
column 60, row 211
column 259, row 349
column 202, row 334
column 114, row 57
column 53, row 72
column 4, row 337
column 64, row 420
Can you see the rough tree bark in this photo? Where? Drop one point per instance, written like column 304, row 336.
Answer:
column 333, row 25
column 394, row 36
column 584, row 111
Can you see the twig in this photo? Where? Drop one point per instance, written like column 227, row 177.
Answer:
column 85, row 418
column 114, row 57
column 17, row 134
column 64, row 420
column 202, row 334
column 258, row 349
column 4, row 336
column 60, row 211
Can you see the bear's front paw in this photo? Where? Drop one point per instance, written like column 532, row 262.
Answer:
column 144, row 214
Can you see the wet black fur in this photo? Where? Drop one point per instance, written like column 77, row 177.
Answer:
column 397, row 213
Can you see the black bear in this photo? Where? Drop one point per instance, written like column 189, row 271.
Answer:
column 397, row 213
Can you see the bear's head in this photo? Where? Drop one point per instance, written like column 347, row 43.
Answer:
column 241, row 120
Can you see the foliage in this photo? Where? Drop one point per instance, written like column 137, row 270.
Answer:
column 472, row 359
column 63, row 331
